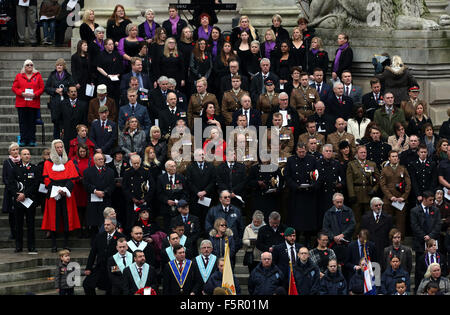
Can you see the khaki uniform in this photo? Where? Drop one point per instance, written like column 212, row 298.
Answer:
column 303, row 138
column 186, row 144
column 196, row 105
column 389, row 184
column 265, row 106
column 248, row 156
column 362, row 182
column 230, row 104
column 303, row 102
column 334, row 139
column 286, row 143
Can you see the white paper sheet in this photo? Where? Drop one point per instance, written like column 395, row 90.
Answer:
column 55, row 191
column 71, row 4
column 42, row 189
column 27, row 202
column 29, row 91
column 284, row 113
column 94, row 198
column 398, row 205
column 90, row 90
column 22, row 3
column 114, row 77
column 205, row 202
column 446, row 193
column 240, row 198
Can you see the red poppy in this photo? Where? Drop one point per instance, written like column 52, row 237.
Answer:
column 325, row 253
column 346, row 220
column 432, row 212
column 206, row 57
column 282, row 234
column 115, row 237
column 321, row 54
column 308, row 35
column 177, row 181
column 125, row 164
column 427, row 164
column 189, row 223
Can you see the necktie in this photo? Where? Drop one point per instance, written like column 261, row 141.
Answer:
column 200, row 165
column 339, row 217
column 318, row 88
column 73, row 103
column 181, row 266
column 361, row 251
column 171, row 179
column 173, row 111
column 185, row 220
column 108, row 239
column 378, row 218
column 124, row 261
column 206, row 261
column 340, row 100
column 432, row 258
column 132, row 109
column 103, row 125
column 140, row 272
column 292, row 255
column 346, row 91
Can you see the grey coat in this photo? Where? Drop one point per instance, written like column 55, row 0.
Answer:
column 136, row 143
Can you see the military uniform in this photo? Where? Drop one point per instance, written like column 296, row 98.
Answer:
column 195, row 106
column 266, row 104
column 302, row 213
column 378, row 152
column 286, row 143
column 137, row 184
column 25, row 180
column 335, row 138
column 331, row 181
column 303, row 101
column 231, row 102
column 423, row 177
column 395, row 183
column 187, row 143
column 362, row 184
column 304, row 137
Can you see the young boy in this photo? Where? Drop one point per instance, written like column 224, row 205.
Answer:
column 61, row 283
column 400, row 287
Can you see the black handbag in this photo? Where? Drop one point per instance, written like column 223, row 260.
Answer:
column 248, row 258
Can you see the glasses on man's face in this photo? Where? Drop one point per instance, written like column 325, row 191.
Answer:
column 223, row 225
column 283, row 99
column 226, row 197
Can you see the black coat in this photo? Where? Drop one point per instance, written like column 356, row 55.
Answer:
column 332, row 227
column 302, row 213
column 370, row 104
column 307, row 277
column 192, row 230
column 200, row 180
column 345, row 61
column 168, row 27
column 444, row 131
column 167, row 120
column 93, row 179
column 115, row 277
column 336, row 110
column 86, row 33
column 420, row 227
column 268, row 238
column 116, row 33
column 24, row 179
column 280, row 258
column 379, row 232
column 166, row 192
column 319, row 60
column 389, row 278
column 193, row 282
column 129, row 285
column 157, row 103
column 171, row 67
column 232, row 180
column 53, row 83
column 333, row 284
column 81, row 73
column 255, row 117
column 264, row 281
column 69, row 117
column 257, row 85
column 423, row 176
column 405, row 254
column 7, row 177
column 353, row 255
column 215, row 280
column 103, row 139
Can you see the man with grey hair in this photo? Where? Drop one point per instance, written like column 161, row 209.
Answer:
column 226, row 81
column 324, row 122
column 257, row 86
column 103, row 246
column 266, row 278
column 230, row 213
column 337, row 104
column 379, row 224
column 206, row 261
column 339, row 225
column 157, row 98
column 171, row 187
column 182, row 100
column 138, row 188
column 271, row 234
column 331, row 180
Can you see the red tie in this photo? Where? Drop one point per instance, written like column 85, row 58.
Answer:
column 181, row 266
column 340, row 100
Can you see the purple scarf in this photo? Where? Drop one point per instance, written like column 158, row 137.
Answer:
column 269, row 47
column 60, row 76
column 214, row 49
column 203, row 34
column 338, row 56
column 174, row 23
column 101, row 45
column 315, row 51
column 149, row 32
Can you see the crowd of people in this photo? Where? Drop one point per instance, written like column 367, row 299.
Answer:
column 355, row 173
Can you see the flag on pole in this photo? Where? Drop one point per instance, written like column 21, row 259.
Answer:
column 292, row 286
column 227, row 278
column 369, row 275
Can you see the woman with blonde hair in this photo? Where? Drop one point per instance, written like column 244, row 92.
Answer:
column 28, row 87
column 129, row 46
column 244, row 24
column 281, row 33
column 159, row 144
column 151, row 161
column 434, row 274
column 249, row 240
column 171, row 63
column 88, row 26
column 218, row 236
column 269, row 47
column 317, row 58
column 298, row 48
column 147, row 29
column 133, row 139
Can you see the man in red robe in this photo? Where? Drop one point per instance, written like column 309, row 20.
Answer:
column 60, row 208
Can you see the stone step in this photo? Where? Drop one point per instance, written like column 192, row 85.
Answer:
column 14, row 119
column 46, row 244
column 12, row 136
column 9, row 101
column 14, row 128
column 34, row 53
column 15, row 65
column 23, row 287
column 15, row 265
column 27, row 274
column 10, row 74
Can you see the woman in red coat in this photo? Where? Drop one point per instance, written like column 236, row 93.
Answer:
column 82, row 161
column 28, row 87
column 60, row 212
column 81, row 138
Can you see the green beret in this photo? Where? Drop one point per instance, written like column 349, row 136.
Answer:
column 289, row 231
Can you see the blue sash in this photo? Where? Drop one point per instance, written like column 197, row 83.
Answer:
column 206, row 272
column 181, row 278
column 139, row 281
column 119, row 261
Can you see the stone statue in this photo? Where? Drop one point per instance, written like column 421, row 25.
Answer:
column 388, row 14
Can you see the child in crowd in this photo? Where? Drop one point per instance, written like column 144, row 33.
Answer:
column 62, row 282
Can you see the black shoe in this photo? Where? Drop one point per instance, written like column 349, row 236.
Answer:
column 54, row 249
column 18, row 250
